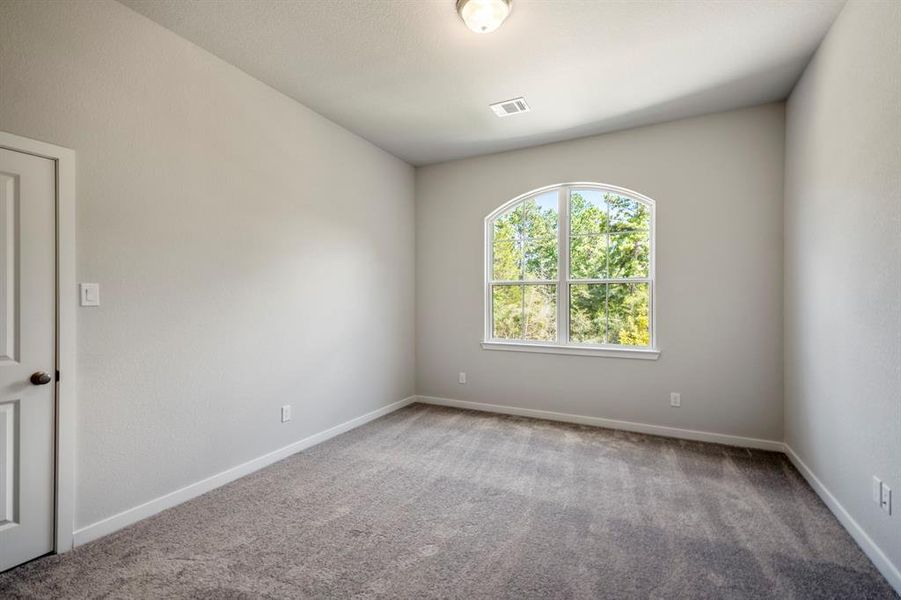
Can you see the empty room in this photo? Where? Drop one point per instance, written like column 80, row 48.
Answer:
column 470, row 299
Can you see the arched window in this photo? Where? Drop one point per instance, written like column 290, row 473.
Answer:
column 570, row 269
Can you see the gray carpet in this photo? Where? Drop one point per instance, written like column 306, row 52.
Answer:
column 441, row 503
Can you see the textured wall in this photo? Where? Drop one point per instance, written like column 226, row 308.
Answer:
column 718, row 183
column 843, row 265
column 250, row 253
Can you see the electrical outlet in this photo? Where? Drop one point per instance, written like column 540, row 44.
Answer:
column 462, row 377
column 885, row 501
column 286, row 413
column 675, row 399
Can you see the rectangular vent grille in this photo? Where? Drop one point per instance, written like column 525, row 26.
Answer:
column 510, row 107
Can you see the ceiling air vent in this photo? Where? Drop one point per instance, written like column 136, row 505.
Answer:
column 510, row 107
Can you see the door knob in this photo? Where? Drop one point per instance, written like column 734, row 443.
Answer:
column 41, row 378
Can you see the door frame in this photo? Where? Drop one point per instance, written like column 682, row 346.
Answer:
column 66, row 303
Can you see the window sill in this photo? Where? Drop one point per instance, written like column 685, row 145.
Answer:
column 634, row 353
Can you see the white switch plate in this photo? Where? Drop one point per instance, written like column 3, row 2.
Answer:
column 886, row 502
column 286, row 413
column 462, row 377
column 877, row 490
column 89, row 294
column 675, row 399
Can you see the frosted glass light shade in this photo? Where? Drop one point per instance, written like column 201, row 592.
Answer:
column 483, row 16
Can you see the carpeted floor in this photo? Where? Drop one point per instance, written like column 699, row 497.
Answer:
column 434, row 502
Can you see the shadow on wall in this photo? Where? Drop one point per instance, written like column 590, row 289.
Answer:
column 734, row 92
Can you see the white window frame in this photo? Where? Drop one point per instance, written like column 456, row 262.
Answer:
column 562, row 345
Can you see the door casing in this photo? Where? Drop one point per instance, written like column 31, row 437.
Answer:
column 66, row 303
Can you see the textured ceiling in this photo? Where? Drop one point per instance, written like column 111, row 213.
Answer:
column 408, row 75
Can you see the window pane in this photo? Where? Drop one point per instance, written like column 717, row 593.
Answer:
column 627, row 214
column 587, row 313
column 508, row 225
column 506, row 301
column 540, row 216
column 588, row 257
column 628, row 323
column 541, row 259
column 609, row 239
column 587, row 212
column 507, row 260
column 629, row 254
column 541, row 312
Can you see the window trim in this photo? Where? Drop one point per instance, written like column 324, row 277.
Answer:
column 562, row 345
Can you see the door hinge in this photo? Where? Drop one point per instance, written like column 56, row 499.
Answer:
column 57, row 374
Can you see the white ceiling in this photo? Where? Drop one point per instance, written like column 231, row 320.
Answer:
column 408, row 75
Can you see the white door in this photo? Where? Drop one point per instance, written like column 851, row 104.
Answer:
column 27, row 355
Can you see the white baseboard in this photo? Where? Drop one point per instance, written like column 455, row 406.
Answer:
column 133, row 515
column 673, row 432
column 891, row 572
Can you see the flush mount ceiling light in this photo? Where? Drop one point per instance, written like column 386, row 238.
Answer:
column 483, row 16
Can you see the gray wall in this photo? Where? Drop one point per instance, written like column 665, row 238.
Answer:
column 250, row 253
column 843, row 265
column 718, row 184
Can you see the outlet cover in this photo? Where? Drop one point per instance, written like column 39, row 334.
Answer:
column 675, row 399
column 286, row 413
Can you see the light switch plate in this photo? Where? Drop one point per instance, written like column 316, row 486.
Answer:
column 89, row 294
